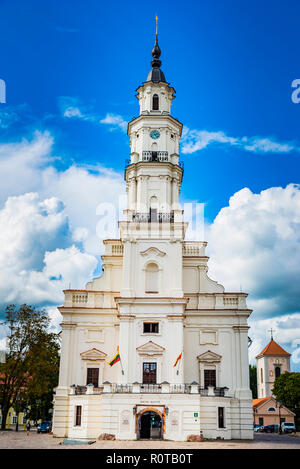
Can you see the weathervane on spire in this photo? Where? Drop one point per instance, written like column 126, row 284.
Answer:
column 271, row 330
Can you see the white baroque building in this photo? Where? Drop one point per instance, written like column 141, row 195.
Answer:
column 154, row 301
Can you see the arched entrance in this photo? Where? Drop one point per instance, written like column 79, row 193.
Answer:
column 150, row 425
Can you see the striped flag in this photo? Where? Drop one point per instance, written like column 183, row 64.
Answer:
column 116, row 358
column 177, row 359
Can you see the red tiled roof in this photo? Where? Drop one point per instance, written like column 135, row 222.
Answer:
column 273, row 349
column 258, row 402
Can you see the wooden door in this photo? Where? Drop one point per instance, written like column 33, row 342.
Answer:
column 149, row 373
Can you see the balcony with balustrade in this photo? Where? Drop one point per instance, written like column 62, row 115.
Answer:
column 153, row 216
column 142, row 388
column 154, row 157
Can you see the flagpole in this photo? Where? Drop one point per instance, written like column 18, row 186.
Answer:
column 179, row 363
column 120, row 361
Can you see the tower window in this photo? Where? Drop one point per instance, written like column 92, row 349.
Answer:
column 221, row 419
column 155, row 102
column 277, row 371
column 151, row 327
column 78, row 411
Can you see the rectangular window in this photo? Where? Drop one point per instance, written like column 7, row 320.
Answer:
column 149, row 373
column 93, row 376
column 14, row 420
column 209, row 378
column 78, row 409
column 221, row 419
column 150, row 327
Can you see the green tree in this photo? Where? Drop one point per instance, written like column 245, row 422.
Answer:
column 253, row 380
column 287, row 390
column 30, row 369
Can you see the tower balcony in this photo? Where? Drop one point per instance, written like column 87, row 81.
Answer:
column 158, row 156
column 153, row 216
column 154, row 157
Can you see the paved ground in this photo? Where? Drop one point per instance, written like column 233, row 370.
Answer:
column 19, row 440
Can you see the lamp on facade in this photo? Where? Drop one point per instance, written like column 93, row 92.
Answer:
column 134, row 410
column 167, row 410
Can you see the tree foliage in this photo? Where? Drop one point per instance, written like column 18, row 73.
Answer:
column 253, row 380
column 287, row 390
column 30, row 370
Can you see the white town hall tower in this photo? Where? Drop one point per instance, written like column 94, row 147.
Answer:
column 154, row 307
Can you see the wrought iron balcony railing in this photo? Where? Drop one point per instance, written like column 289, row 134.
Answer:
column 154, row 156
column 153, row 217
column 159, row 156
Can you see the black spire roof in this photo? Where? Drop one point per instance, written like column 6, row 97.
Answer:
column 156, row 74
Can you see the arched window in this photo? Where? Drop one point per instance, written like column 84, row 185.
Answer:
column 271, row 409
column 152, row 278
column 277, row 371
column 153, row 208
column 155, row 102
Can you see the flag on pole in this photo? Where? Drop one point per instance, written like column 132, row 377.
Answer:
column 116, row 358
column 177, row 359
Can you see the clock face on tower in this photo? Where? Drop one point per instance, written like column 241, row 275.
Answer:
column 154, row 134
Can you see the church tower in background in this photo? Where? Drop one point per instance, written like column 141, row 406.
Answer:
column 272, row 361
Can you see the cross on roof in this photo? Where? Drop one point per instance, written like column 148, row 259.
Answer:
column 271, row 330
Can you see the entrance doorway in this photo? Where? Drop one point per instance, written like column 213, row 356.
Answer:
column 150, row 426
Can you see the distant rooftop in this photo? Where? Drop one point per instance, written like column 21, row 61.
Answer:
column 273, row 349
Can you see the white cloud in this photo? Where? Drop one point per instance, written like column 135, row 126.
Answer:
column 71, row 107
column 255, row 242
column 36, row 258
column 115, row 121
column 48, row 222
column 194, row 140
column 80, row 188
column 254, row 245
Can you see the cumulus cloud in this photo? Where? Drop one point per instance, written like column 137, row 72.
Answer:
column 80, row 188
column 48, row 222
column 194, row 140
column 36, row 256
column 254, row 245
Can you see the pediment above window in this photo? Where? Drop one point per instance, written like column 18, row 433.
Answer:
column 150, row 348
column 93, row 355
column 153, row 252
column 209, row 357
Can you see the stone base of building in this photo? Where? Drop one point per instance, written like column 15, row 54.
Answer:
column 132, row 416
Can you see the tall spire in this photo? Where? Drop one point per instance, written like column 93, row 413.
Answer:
column 156, row 75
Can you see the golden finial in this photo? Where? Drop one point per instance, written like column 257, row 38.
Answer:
column 156, row 18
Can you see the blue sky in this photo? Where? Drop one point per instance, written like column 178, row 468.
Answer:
column 71, row 70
